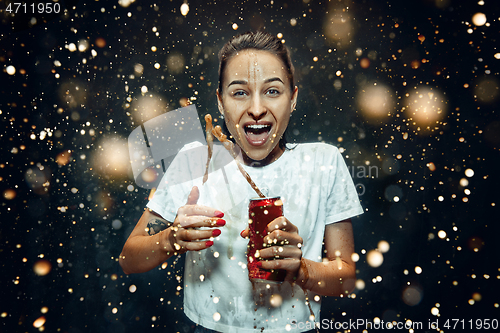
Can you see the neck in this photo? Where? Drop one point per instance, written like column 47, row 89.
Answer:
column 272, row 157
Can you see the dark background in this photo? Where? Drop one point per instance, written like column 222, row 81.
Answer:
column 65, row 119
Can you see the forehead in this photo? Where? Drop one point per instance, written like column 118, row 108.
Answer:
column 255, row 63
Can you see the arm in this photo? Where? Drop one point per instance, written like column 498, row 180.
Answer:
column 337, row 276
column 153, row 241
column 142, row 251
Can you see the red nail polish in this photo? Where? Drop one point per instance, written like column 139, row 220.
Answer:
column 241, row 233
column 259, row 264
column 209, row 243
column 220, row 222
column 219, row 213
column 216, row 232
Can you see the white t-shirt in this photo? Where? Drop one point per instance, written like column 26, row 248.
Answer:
column 316, row 189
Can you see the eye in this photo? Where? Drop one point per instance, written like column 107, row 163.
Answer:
column 238, row 93
column 272, row 91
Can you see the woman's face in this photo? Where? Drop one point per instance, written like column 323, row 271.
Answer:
column 256, row 102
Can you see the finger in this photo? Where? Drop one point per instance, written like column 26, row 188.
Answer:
column 195, row 246
column 200, row 221
column 245, row 233
column 281, row 223
column 290, row 265
column 190, row 235
column 287, row 251
column 280, row 237
column 193, row 196
column 189, row 210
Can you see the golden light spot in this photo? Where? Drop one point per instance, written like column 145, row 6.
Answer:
column 374, row 258
column 425, row 108
column 9, row 194
column 42, row 267
column 39, row 322
column 383, row 246
column 376, row 102
column 184, row 9
column 469, row 173
column 364, row 63
column 479, row 19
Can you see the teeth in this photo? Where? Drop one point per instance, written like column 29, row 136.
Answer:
column 257, row 126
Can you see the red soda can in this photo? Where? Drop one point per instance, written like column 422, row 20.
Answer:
column 261, row 212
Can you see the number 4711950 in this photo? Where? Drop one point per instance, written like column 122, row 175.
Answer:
column 39, row 8
column 472, row 324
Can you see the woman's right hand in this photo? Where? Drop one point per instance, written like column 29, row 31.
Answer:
column 185, row 234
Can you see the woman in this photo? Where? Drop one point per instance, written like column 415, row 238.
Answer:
column 256, row 96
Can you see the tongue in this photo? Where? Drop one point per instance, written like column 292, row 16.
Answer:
column 257, row 136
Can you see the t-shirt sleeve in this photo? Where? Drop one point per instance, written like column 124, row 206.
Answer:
column 178, row 180
column 343, row 201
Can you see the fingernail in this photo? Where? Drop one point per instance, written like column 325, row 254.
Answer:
column 218, row 213
column 216, row 232
column 209, row 243
column 241, row 233
column 220, row 222
column 259, row 264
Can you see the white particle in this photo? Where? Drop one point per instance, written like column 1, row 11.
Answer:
column 479, row 19
column 184, row 9
column 11, row 70
column 469, row 173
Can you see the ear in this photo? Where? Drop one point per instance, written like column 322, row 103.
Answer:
column 219, row 102
column 294, row 97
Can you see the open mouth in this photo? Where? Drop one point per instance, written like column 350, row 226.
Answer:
column 257, row 134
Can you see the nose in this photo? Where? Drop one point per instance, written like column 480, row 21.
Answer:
column 257, row 108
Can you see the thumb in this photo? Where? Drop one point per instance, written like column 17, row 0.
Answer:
column 193, row 196
column 245, row 233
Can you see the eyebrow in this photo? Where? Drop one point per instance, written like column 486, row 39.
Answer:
column 245, row 82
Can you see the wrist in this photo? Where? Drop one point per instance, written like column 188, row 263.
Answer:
column 302, row 277
column 165, row 240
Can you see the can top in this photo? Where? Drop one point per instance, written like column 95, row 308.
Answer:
column 260, row 202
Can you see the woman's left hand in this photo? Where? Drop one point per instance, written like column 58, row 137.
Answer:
column 283, row 244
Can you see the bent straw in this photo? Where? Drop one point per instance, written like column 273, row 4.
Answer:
column 210, row 143
column 217, row 132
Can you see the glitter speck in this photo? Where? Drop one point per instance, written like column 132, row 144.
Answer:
column 184, row 9
column 39, row 322
column 374, row 258
column 479, row 19
column 383, row 246
column 442, row 234
column 11, row 70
